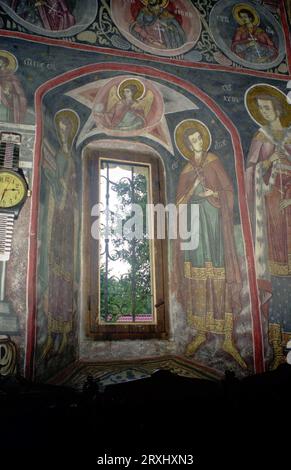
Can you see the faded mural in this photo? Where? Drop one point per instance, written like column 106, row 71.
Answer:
column 12, row 97
column 253, row 37
column 159, row 27
column 228, row 33
column 55, row 18
column 59, row 245
column 201, row 86
column 128, row 106
column 269, row 199
column 209, row 281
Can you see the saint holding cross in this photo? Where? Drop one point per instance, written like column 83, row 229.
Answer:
column 157, row 23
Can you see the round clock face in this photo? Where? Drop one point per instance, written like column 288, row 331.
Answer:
column 12, row 189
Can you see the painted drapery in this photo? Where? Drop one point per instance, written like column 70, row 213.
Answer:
column 209, row 280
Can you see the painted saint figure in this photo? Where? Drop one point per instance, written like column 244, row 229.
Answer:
column 210, row 277
column 250, row 42
column 53, row 15
column 157, row 23
column 268, row 180
column 12, row 98
column 127, row 107
column 61, row 241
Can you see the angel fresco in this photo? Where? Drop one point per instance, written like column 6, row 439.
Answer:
column 127, row 107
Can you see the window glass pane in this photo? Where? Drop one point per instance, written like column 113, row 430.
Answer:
column 125, row 258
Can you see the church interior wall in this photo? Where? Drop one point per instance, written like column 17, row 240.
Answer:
column 206, row 66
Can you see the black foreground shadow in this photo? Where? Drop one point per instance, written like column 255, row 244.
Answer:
column 228, row 423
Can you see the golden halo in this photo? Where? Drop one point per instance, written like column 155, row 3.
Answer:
column 71, row 115
column 12, row 61
column 140, row 88
column 244, row 6
column 263, row 90
column 163, row 3
column 196, row 126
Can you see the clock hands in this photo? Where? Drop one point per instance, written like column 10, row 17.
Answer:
column 12, row 191
column 4, row 191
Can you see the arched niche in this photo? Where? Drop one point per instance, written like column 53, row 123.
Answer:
column 173, row 164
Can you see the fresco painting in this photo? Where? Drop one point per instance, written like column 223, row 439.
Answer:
column 54, row 18
column 250, row 42
column 59, row 246
column 51, row 14
column 114, row 113
column 160, row 27
column 12, row 96
column 217, row 32
column 222, row 130
column 209, row 282
column 253, row 37
column 156, row 25
column 125, row 106
column 269, row 197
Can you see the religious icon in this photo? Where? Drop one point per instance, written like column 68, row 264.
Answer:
column 157, row 23
column 247, row 33
column 209, row 277
column 127, row 106
column 12, row 98
column 58, row 257
column 268, row 181
column 49, row 14
column 250, row 42
column 67, row 125
column 161, row 27
column 54, row 18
